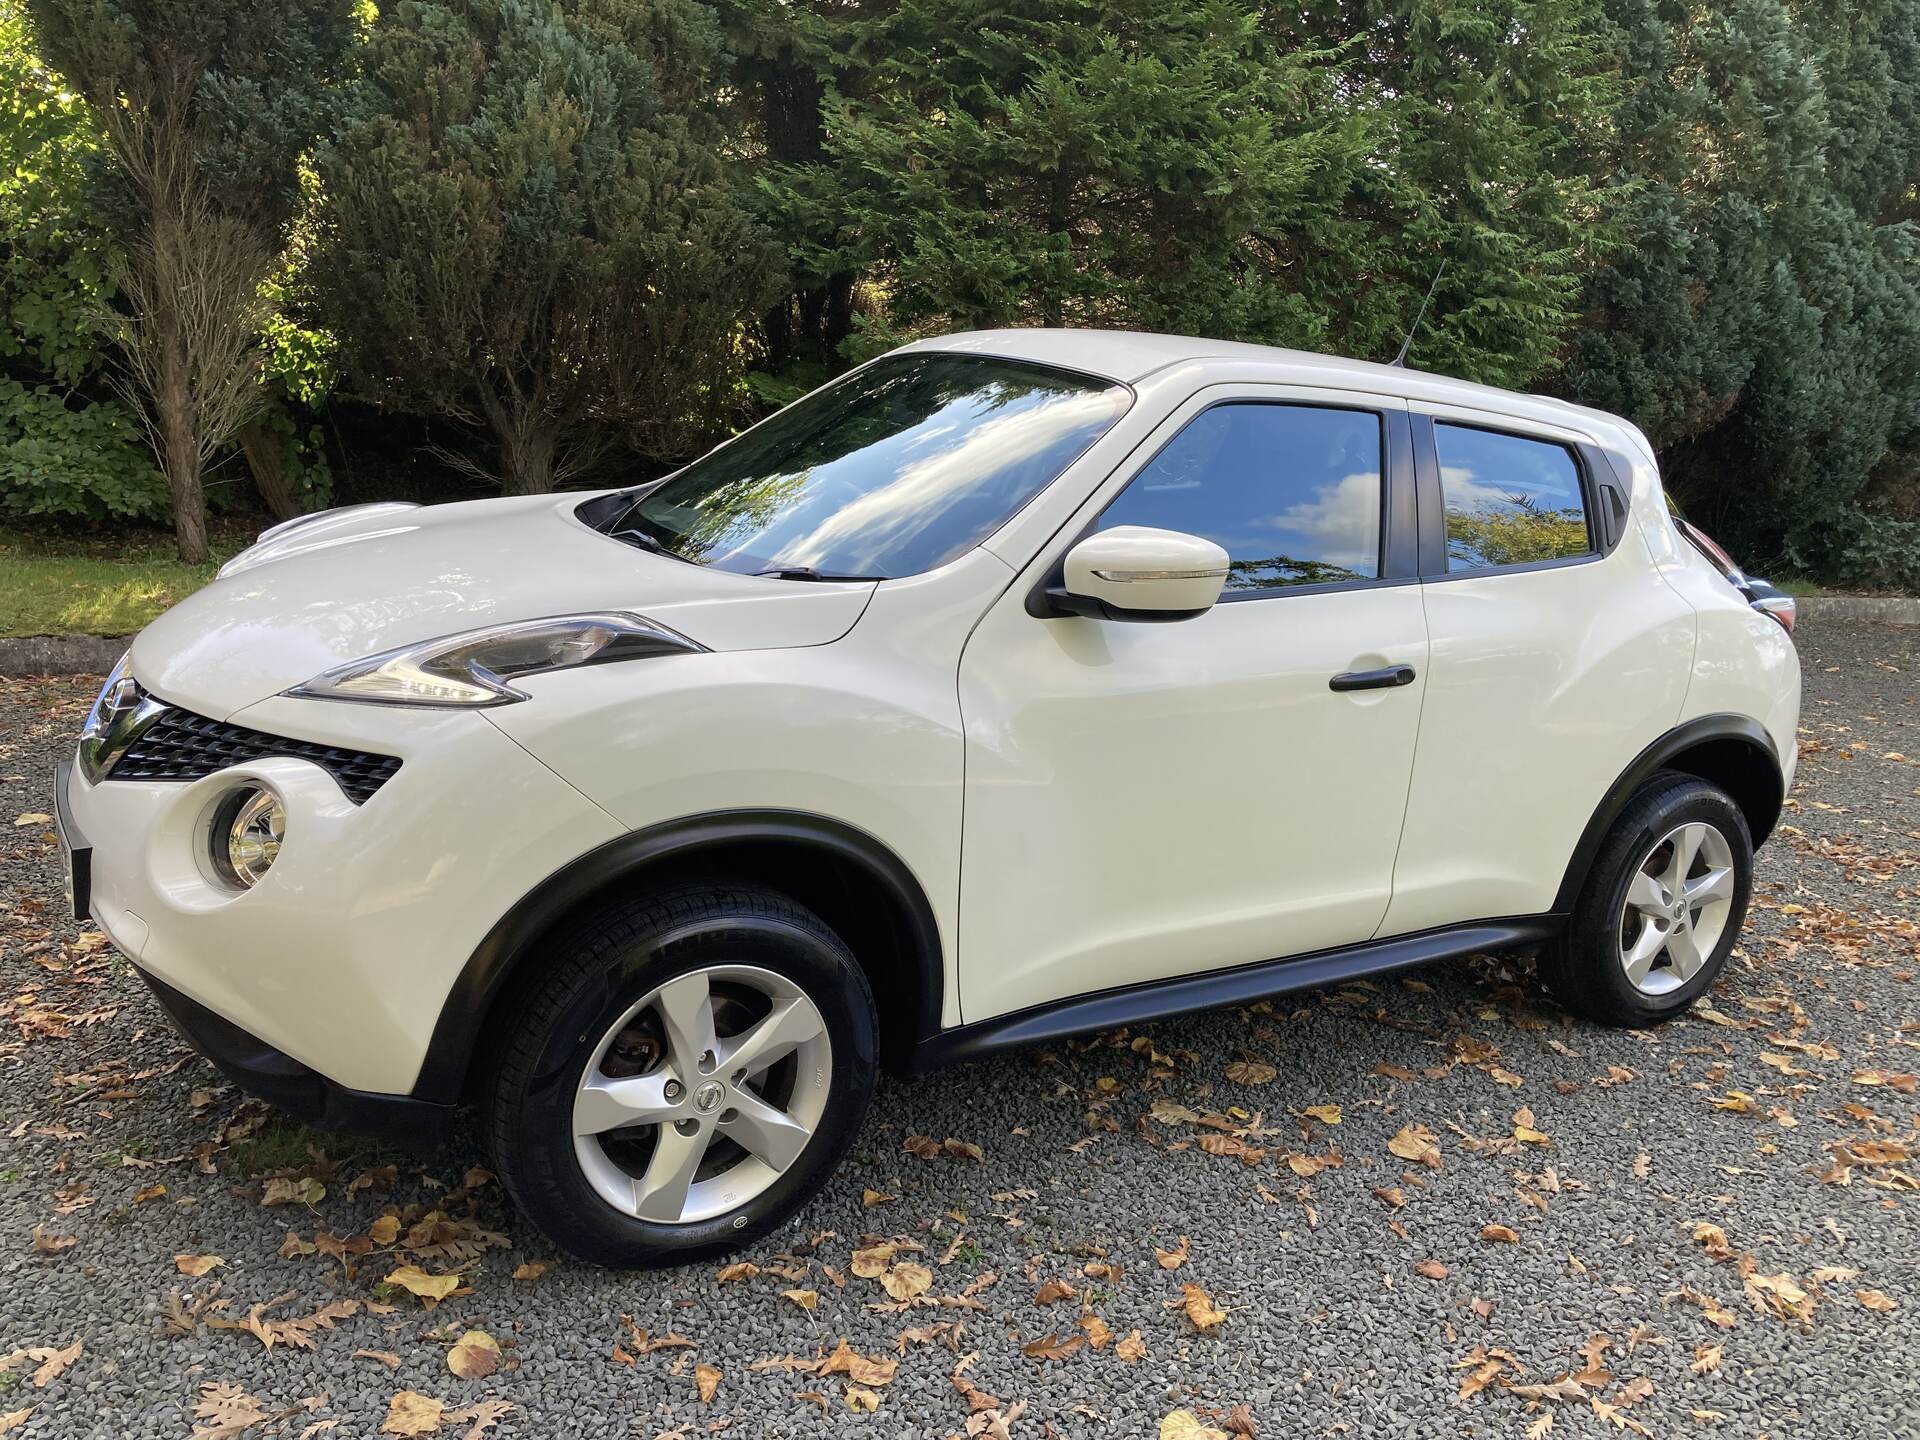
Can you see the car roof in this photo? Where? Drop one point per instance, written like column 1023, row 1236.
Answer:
column 1132, row 355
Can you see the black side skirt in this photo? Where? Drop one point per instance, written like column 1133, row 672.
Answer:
column 1161, row 998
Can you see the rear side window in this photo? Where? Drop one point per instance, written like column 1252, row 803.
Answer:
column 1290, row 492
column 1510, row 501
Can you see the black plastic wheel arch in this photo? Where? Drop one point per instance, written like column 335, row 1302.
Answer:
column 464, row 1014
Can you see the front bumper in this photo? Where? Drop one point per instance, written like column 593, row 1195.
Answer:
column 282, row 1081
column 321, row 987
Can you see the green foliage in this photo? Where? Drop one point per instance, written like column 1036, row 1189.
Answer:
column 526, row 223
column 83, row 461
column 1762, row 321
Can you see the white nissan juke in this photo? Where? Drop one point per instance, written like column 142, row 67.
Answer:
column 1016, row 684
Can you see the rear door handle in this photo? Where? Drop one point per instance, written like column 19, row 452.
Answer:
column 1389, row 678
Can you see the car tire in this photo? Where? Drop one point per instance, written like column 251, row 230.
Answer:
column 610, row 1029
column 1637, row 951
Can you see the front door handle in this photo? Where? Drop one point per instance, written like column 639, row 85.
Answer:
column 1389, row 678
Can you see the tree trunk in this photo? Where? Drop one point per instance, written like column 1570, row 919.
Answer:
column 529, row 442
column 180, row 445
column 267, row 462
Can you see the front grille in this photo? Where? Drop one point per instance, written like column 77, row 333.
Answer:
column 180, row 745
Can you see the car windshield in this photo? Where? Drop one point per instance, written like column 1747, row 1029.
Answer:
column 896, row 469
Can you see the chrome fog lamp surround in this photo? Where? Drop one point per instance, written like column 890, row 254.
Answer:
column 121, row 714
column 473, row 668
column 249, row 825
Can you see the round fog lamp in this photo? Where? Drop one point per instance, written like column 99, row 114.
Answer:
column 247, row 831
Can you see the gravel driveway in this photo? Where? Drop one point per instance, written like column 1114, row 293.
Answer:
column 1430, row 1206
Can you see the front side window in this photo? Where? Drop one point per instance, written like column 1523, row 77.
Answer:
column 1510, row 501
column 1290, row 492
column 897, row 469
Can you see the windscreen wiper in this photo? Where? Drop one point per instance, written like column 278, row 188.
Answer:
column 648, row 543
column 807, row 572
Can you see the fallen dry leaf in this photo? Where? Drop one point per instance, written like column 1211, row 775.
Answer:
column 1250, row 1072
column 474, row 1356
column 1173, row 1259
column 1416, row 1143
column 805, row 1299
column 906, row 1280
column 411, row 1413
column 1132, row 1348
column 1876, row 1300
column 706, row 1380
column 861, row 1400
column 1325, row 1114
column 1500, row 1234
column 1185, row 1425
column 1432, row 1269
column 1200, row 1308
column 430, row 1288
column 196, row 1265
column 531, row 1270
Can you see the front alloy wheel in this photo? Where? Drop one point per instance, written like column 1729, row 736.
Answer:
column 1676, row 908
column 680, row 1074
column 689, row 1107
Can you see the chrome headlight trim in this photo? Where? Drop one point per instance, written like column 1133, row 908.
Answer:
column 121, row 714
column 472, row 668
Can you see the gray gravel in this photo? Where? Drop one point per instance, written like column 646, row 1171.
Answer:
column 1329, row 1329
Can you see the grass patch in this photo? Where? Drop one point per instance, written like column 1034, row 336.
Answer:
column 68, row 585
column 285, row 1144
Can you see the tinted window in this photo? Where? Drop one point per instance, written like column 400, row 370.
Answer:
column 899, row 468
column 1509, row 501
column 1291, row 493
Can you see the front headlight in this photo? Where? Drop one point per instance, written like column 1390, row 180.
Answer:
column 473, row 668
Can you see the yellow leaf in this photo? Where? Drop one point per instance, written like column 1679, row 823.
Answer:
column 706, row 1379
column 1325, row 1114
column 196, row 1265
column 411, row 1413
column 32, row 817
column 150, row 1192
column 1173, row 1259
column 1098, row 1331
column 859, row 1400
column 871, row 1263
column 384, row 1230
column 474, row 1356
column 740, row 1270
column 805, row 1299
column 1185, row 1425
column 1131, row 1349
column 432, row 1288
column 906, row 1280
column 871, row 1198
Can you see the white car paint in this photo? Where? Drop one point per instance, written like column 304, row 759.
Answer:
column 1086, row 803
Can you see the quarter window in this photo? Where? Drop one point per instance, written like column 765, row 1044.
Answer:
column 1510, row 501
column 1290, row 492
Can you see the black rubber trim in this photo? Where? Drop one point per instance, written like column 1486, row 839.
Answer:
column 1241, row 985
column 443, row 1073
column 79, row 850
column 1646, row 764
column 280, row 1080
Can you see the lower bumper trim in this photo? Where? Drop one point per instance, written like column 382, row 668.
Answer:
column 280, row 1080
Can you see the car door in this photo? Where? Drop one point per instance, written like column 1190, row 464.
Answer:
column 1151, row 800
column 1557, row 653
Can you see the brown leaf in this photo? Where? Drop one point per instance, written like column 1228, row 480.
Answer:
column 1200, row 1308
column 1051, row 1290
column 1500, row 1234
column 706, row 1380
column 1099, row 1334
column 1250, row 1072
column 382, row 1357
column 474, row 1356
column 1390, row 1196
column 861, row 1369
column 1523, row 1130
column 531, row 1270
column 1325, row 1114
column 1052, row 1347
column 1416, row 1143
column 45, row 1244
column 1173, row 1259
column 14, row 1419
column 906, row 1280
column 1432, row 1269
column 805, row 1299
column 226, row 1410
column 196, row 1265
column 1876, row 1300
column 1131, row 1349
column 384, row 1230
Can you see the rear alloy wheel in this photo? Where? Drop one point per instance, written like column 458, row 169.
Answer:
column 1661, row 908
column 685, row 1074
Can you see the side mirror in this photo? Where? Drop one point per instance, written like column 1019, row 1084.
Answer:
column 1133, row 572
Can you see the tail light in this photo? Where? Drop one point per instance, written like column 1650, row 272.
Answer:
column 1765, row 597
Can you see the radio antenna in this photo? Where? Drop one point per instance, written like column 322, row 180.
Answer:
column 1400, row 360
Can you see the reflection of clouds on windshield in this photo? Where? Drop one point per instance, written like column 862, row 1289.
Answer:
column 1342, row 519
column 916, row 499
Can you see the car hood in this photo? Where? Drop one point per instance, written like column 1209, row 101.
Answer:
column 356, row 582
